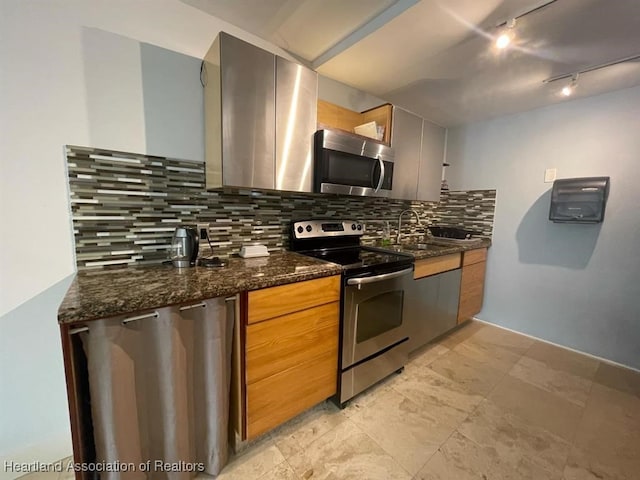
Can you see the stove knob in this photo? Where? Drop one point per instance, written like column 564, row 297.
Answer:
column 353, row 226
column 359, row 227
column 300, row 229
column 308, row 228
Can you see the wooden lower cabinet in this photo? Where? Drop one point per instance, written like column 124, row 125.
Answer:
column 275, row 399
column 472, row 284
column 287, row 359
column 284, row 342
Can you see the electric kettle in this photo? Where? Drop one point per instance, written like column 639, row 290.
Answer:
column 184, row 247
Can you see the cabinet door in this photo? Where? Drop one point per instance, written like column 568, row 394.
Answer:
column 431, row 158
column 406, row 139
column 280, row 397
column 283, row 342
column 296, row 107
column 248, row 113
column 471, row 290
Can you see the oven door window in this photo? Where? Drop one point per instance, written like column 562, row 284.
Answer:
column 378, row 315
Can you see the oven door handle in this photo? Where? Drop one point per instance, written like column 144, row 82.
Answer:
column 379, row 278
column 381, row 174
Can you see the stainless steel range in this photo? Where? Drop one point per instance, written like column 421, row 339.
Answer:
column 374, row 336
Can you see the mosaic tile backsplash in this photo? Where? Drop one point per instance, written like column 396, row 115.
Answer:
column 125, row 207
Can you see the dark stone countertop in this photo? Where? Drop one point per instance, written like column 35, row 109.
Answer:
column 105, row 293
column 435, row 249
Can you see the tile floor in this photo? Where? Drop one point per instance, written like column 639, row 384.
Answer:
column 481, row 404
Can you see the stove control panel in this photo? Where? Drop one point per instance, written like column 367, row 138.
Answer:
column 327, row 228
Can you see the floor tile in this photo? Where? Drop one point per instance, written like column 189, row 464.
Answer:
column 487, row 353
column 462, row 333
column 282, row 471
column 619, row 378
column 564, row 360
column 474, row 377
column 584, row 465
column 567, row 385
column 401, row 428
column 462, row 459
column 439, row 396
column 607, row 441
column 516, row 343
column 536, row 406
column 512, row 439
column 299, row 432
column 427, row 354
column 615, row 405
column 346, row 452
column 363, row 399
column 254, row 462
column 40, row 476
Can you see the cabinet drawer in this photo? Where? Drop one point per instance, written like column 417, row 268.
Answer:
column 471, row 290
column 474, row 256
column 432, row 266
column 283, row 342
column 275, row 399
column 275, row 301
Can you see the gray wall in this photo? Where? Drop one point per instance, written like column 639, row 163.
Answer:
column 575, row 285
column 346, row 96
column 114, row 92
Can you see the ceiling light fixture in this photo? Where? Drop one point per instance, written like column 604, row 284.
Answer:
column 507, row 32
column 504, row 39
column 568, row 89
column 571, row 86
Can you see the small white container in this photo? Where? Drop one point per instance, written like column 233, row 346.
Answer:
column 251, row 251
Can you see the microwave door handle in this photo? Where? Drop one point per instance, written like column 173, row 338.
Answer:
column 381, row 173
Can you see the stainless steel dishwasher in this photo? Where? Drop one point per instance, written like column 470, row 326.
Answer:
column 431, row 306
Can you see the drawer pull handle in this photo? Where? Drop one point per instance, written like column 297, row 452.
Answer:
column 189, row 307
column 140, row 317
column 73, row 331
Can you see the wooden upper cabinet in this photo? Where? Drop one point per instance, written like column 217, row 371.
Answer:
column 331, row 115
column 382, row 115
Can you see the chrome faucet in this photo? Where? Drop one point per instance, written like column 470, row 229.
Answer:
column 411, row 210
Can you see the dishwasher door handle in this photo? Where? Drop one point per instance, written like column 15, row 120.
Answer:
column 379, row 278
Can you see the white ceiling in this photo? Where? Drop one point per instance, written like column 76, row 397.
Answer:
column 436, row 57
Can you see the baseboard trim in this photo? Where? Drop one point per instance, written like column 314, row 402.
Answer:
column 604, row 360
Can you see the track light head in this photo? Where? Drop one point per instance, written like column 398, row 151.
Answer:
column 567, row 90
column 504, row 39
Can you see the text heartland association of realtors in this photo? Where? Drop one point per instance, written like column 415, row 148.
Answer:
column 64, row 466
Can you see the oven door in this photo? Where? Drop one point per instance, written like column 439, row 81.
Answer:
column 372, row 319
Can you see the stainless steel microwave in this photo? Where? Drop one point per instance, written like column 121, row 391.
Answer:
column 352, row 165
